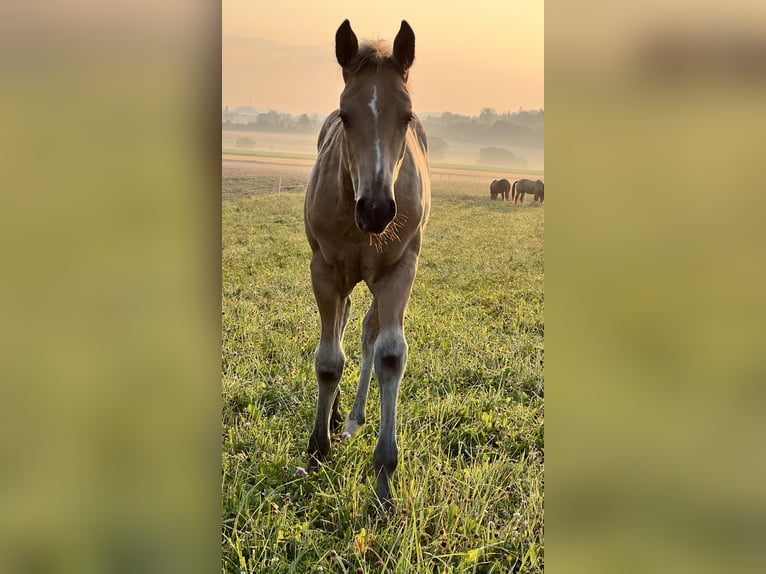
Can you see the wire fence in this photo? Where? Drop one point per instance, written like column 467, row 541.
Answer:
column 243, row 187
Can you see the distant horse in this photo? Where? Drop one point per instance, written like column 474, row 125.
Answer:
column 367, row 203
column 527, row 186
column 501, row 187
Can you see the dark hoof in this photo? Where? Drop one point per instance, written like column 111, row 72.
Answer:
column 314, row 461
column 384, row 507
column 318, row 451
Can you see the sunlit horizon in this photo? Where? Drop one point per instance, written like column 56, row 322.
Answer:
column 468, row 57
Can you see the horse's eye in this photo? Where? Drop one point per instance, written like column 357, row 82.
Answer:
column 407, row 120
column 345, row 120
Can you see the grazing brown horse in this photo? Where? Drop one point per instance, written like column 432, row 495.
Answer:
column 367, row 203
column 527, row 186
column 501, row 187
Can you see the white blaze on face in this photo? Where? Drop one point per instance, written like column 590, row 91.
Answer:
column 374, row 107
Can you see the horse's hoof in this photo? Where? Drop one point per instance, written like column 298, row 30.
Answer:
column 315, row 459
column 384, row 506
column 352, row 425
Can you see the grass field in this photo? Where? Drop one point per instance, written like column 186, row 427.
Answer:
column 468, row 491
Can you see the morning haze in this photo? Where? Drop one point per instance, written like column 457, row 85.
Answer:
column 477, row 82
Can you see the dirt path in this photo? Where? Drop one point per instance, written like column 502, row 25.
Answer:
column 248, row 175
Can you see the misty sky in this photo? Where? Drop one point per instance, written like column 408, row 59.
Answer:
column 468, row 55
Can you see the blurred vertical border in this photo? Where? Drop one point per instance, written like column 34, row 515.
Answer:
column 655, row 267
column 110, row 286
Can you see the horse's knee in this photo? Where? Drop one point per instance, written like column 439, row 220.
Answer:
column 329, row 364
column 390, row 354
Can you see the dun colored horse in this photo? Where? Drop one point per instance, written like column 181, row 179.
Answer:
column 527, row 186
column 501, row 187
column 367, row 203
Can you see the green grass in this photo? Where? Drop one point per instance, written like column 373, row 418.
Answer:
column 468, row 491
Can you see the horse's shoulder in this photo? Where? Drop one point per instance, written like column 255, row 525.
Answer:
column 327, row 126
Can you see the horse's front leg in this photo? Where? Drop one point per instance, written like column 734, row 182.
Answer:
column 390, row 359
column 329, row 359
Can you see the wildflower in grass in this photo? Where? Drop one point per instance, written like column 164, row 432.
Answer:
column 300, row 471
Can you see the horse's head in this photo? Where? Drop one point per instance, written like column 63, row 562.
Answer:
column 376, row 110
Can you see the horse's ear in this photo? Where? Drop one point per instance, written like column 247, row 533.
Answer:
column 404, row 47
column 346, row 44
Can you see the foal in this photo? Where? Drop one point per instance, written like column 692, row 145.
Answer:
column 367, row 202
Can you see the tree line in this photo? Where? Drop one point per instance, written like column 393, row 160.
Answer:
column 524, row 128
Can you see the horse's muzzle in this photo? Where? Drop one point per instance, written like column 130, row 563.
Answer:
column 373, row 215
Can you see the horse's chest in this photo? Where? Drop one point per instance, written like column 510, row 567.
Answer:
column 356, row 263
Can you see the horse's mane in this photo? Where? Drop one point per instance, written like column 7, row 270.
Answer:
column 372, row 56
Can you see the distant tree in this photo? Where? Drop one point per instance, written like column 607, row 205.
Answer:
column 437, row 148
column 269, row 121
column 487, row 115
column 304, row 123
column 499, row 156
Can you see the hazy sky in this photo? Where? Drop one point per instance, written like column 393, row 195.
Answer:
column 468, row 55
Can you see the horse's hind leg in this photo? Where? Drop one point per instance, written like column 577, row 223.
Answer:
column 329, row 359
column 336, row 419
column 370, row 328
